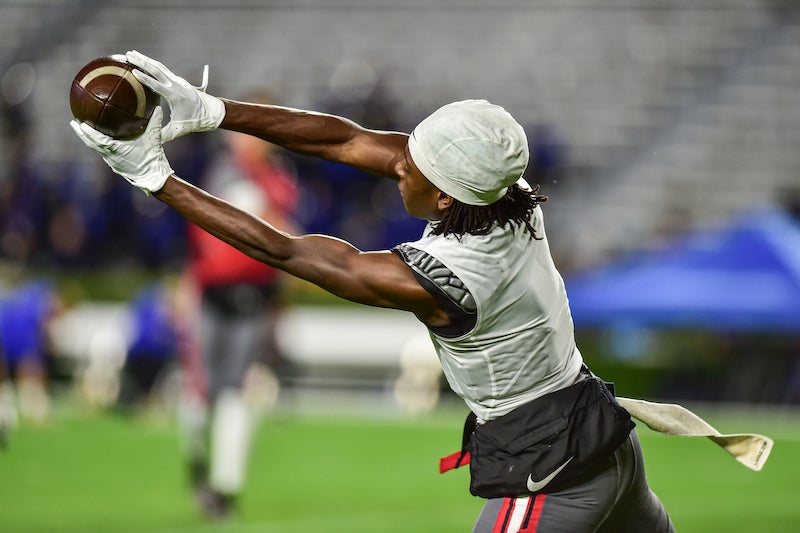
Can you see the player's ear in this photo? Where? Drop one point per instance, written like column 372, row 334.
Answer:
column 444, row 201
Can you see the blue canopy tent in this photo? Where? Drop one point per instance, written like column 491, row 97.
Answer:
column 744, row 276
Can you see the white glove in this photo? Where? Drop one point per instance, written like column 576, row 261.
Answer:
column 141, row 161
column 191, row 109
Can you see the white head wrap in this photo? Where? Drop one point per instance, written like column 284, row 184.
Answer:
column 471, row 150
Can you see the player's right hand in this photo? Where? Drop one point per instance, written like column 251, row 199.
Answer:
column 141, row 161
column 191, row 108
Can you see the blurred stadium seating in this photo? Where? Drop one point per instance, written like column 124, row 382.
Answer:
column 674, row 113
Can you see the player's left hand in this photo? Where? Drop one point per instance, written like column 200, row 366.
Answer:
column 191, row 108
column 141, row 161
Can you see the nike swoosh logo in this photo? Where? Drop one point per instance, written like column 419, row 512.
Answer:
column 536, row 486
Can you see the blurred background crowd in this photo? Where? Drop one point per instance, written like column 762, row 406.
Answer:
column 650, row 122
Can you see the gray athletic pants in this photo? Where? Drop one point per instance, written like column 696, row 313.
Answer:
column 229, row 345
column 616, row 500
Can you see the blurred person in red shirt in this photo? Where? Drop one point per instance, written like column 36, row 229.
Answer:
column 233, row 302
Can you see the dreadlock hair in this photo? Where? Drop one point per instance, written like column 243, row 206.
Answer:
column 513, row 210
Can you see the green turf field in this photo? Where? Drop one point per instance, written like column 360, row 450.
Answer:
column 351, row 473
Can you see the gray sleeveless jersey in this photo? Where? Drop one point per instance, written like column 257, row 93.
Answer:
column 512, row 337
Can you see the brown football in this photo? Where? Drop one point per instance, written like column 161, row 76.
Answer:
column 108, row 97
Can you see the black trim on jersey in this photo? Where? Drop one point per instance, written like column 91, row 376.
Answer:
column 445, row 287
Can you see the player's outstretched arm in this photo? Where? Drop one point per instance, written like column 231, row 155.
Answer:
column 318, row 134
column 379, row 279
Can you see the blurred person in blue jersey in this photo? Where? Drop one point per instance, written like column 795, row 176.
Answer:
column 26, row 313
column 231, row 305
column 8, row 404
column 548, row 445
column 153, row 346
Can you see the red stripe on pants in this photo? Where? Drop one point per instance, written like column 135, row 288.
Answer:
column 503, row 516
column 532, row 522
